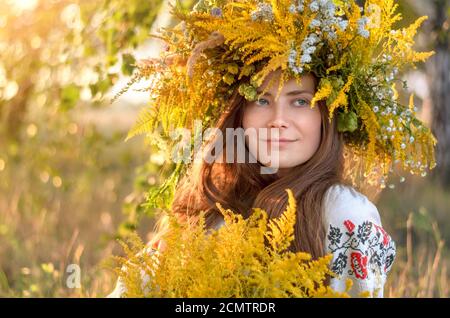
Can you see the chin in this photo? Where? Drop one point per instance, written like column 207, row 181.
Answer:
column 286, row 162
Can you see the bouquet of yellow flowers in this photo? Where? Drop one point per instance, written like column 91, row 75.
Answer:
column 243, row 259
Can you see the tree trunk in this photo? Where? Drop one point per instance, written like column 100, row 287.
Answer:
column 438, row 69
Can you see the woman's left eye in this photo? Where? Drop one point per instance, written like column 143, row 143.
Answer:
column 301, row 102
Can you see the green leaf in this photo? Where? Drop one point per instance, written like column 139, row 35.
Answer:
column 101, row 86
column 228, row 78
column 247, row 70
column 201, row 6
column 248, row 91
column 69, row 97
column 128, row 64
column 233, row 68
column 347, row 122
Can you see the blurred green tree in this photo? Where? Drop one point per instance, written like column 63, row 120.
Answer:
column 54, row 53
column 64, row 55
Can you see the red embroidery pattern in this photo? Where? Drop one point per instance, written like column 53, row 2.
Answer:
column 359, row 265
column 360, row 249
column 349, row 225
column 385, row 235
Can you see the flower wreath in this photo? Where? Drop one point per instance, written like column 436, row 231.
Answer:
column 226, row 45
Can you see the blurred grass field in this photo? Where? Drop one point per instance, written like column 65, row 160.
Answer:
column 416, row 215
column 64, row 197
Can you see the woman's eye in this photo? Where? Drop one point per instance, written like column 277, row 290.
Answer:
column 301, row 102
column 262, row 102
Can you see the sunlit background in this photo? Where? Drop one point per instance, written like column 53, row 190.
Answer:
column 70, row 186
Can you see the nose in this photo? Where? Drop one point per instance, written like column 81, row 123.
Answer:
column 278, row 119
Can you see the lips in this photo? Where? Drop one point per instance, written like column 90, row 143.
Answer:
column 280, row 143
column 281, row 140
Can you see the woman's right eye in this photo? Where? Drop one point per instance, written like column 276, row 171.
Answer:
column 262, row 102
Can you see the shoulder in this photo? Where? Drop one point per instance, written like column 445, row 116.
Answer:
column 362, row 250
column 342, row 202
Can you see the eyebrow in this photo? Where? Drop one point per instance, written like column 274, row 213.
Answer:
column 297, row 92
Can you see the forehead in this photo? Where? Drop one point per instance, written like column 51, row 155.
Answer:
column 304, row 83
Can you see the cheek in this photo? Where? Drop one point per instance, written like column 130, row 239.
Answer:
column 252, row 121
column 250, row 118
column 310, row 126
column 248, row 121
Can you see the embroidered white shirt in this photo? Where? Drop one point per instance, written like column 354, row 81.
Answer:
column 362, row 250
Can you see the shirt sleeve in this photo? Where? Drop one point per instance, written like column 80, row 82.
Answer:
column 362, row 250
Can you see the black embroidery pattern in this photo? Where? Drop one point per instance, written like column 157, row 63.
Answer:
column 334, row 235
column 362, row 249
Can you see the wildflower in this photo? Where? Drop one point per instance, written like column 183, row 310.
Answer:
column 216, row 12
column 298, row 70
column 299, row 8
column 263, row 12
column 306, row 58
column 314, row 23
column 329, row 7
column 325, row 90
column 364, row 33
column 361, row 27
column 313, row 39
column 332, row 35
column 227, row 262
column 375, row 109
column 292, row 8
column 314, row 6
column 292, row 55
column 292, row 61
column 386, row 58
column 310, row 50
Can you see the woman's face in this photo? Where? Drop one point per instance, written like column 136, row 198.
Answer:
column 286, row 132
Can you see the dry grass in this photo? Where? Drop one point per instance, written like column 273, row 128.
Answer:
column 416, row 216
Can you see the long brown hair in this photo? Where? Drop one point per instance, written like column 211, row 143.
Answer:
column 241, row 186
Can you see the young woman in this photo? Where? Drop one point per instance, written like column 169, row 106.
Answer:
column 295, row 82
column 332, row 216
